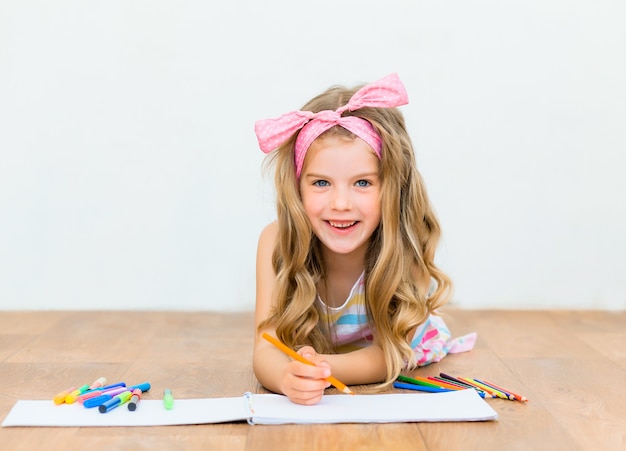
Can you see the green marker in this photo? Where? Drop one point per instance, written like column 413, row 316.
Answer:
column 168, row 399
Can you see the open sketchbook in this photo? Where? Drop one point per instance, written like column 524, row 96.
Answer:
column 463, row 405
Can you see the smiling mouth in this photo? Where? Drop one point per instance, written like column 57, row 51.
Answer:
column 342, row 225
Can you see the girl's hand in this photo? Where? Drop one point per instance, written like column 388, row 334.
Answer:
column 305, row 384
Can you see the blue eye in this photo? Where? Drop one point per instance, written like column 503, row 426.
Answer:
column 321, row 183
column 363, row 183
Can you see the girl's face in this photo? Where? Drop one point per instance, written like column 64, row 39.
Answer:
column 340, row 190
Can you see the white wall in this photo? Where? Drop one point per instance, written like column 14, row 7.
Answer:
column 130, row 175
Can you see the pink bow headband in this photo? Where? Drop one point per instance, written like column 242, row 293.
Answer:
column 388, row 92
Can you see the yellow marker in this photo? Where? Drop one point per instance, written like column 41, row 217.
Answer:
column 60, row 398
column 71, row 398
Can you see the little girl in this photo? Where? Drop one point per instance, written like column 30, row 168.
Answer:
column 346, row 275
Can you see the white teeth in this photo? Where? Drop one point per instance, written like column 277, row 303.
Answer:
column 342, row 225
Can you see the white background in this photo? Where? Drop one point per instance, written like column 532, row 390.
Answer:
column 130, row 176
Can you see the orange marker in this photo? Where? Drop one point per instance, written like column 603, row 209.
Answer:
column 294, row 355
column 60, row 398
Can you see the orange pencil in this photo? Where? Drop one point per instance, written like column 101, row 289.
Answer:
column 515, row 395
column 293, row 354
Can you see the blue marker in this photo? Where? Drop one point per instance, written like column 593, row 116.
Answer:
column 143, row 387
column 117, row 400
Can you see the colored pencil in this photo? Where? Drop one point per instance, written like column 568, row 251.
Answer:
column 448, row 381
column 493, row 391
column 515, row 395
column 466, row 385
column 431, row 382
column 444, row 384
column 418, row 381
column 423, row 388
column 294, row 355
column 456, row 380
column 460, row 386
column 508, row 395
column 455, row 386
column 453, row 379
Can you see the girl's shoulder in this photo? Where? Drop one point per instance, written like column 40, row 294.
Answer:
column 269, row 234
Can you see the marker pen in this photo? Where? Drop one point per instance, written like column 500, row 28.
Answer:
column 60, row 398
column 98, row 383
column 71, row 398
column 143, row 387
column 168, row 399
column 117, row 400
column 134, row 400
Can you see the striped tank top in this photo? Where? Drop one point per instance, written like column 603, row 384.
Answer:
column 350, row 329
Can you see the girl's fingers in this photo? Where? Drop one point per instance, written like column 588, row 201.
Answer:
column 305, row 384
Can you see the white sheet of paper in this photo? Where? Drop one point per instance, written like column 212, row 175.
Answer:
column 464, row 405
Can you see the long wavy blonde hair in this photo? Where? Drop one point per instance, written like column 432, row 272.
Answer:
column 399, row 264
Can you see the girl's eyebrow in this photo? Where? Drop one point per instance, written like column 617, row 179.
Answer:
column 368, row 174
column 314, row 175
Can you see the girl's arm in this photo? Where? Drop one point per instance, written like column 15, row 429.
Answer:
column 365, row 366
column 303, row 384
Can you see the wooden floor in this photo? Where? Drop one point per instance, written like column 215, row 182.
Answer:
column 571, row 365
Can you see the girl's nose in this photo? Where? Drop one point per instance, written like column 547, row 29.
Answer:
column 341, row 200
